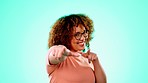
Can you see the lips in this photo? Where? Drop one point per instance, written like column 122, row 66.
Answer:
column 81, row 43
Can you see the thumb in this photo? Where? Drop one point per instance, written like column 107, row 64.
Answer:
column 86, row 54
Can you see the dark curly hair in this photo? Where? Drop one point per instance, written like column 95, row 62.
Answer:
column 61, row 32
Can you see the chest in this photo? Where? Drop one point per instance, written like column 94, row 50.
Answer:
column 75, row 71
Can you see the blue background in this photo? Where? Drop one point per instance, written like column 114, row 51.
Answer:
column 120, row 37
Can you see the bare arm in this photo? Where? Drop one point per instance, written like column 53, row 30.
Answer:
column 59, row 53
column 54, row 60
column 99, row 73
column 98, row 70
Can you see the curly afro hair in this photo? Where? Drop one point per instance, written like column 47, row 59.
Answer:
column 62, row 29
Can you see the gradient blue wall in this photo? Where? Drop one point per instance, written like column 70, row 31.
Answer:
column 120, row 37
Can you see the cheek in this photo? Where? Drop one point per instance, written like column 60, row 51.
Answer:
column 73, row 43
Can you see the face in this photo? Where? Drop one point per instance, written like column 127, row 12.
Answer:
column 78, row 38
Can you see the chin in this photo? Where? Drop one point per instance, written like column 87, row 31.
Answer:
column 80, row 49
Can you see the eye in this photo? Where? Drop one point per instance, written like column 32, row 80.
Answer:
column 85, row 32
column 78, row 34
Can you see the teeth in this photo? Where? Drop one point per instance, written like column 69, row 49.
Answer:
column 81, row 43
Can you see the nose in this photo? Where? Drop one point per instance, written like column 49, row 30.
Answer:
column 82, row 38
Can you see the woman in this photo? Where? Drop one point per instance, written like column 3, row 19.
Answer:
column 66, row 60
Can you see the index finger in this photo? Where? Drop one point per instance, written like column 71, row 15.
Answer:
column 88, row 52
column 70, row 53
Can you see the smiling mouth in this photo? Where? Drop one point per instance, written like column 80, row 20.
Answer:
column 81, row 43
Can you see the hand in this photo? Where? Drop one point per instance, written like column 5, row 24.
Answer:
column 90, row 55
column 60, row 51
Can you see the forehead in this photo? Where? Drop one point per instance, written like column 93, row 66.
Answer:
column 79, row 28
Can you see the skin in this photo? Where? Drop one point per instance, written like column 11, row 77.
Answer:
column 78, row 45
column 59, row 53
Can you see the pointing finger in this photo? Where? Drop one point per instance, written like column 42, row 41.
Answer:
column 70, row 53
column 88, row 52
column 74, row 54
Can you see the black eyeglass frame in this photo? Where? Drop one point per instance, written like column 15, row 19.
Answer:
column 78, row 35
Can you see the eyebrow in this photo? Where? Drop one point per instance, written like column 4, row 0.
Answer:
column 81, row 32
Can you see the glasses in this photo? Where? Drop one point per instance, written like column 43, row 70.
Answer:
column 78, row 35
